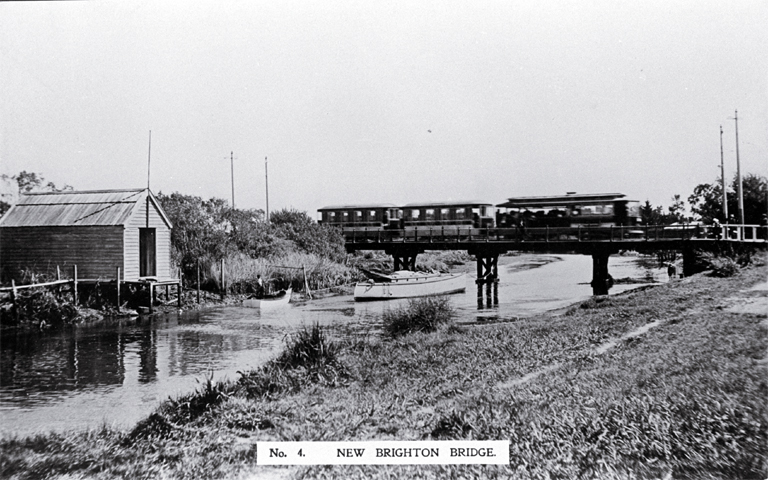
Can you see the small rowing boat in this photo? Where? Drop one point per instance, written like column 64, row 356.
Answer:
column 407, row 284
column 269, row 301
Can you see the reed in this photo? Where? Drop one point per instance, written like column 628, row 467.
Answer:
column 241, row 271
column 425, row 315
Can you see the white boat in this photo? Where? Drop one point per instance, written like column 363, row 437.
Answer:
column 269, row 301
column 407, row 284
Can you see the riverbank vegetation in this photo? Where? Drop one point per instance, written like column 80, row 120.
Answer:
column 663, row 382
column 425, row 315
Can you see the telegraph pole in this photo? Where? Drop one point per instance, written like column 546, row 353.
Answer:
column 738, row 171
column 266, row 185
column 232, row 169
column 722, row 178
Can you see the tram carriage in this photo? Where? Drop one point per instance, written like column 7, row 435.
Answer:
column 451, row 218
column 559, row 215
column 363, row 217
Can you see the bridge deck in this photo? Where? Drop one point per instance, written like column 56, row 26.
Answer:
column 565, row 239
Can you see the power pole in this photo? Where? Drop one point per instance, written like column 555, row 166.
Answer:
column 232, row 168
column 738, row 171
column 722, row 178
column 266, row 189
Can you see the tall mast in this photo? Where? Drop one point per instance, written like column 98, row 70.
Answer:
column 722, row 178
column 149, row 157
column 266, row 189
column 738, row 171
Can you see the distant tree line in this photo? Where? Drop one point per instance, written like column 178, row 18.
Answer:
column 706, row 204
column 207, row 230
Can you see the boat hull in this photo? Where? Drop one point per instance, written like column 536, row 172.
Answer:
column 410, row 287
column 269, row 303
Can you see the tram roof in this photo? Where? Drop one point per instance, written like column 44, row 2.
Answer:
column 465, row 203
column 360, row 206
column 560, row 200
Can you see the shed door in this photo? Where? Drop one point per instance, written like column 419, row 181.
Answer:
column 147, row 258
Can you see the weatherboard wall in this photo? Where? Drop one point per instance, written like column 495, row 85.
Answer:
column 96, row 250
column 146, row 215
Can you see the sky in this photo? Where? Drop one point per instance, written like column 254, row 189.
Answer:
column 397, row 101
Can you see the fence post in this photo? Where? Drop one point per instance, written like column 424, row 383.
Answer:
column 14, row 304
column 180, row 286
column 117, row 283
column 74, row 284
column 198, row 280
column 223, row 287
column 306, row 283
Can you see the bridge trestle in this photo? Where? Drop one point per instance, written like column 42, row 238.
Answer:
column 601, row 279
column 487, row 269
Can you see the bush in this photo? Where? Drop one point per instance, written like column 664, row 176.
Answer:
column 720, row 265
column 309, row 357
column 425, row 314
column 191, row 406
column 42, row 305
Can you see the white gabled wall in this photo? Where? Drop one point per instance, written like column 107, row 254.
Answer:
column 142, row 217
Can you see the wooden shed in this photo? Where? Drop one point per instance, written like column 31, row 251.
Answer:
column 98, row 231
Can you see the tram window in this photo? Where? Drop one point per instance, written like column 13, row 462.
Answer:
column 445, row 213
column 608, row 209
column 429, row 214
column 372, row 214
column 415, row 214
column 459, row 214
column 331, row 216
column 344, row 217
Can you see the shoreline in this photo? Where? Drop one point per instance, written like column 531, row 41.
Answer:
column 577, row 397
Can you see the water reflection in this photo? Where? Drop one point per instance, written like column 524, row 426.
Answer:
column 118, row 373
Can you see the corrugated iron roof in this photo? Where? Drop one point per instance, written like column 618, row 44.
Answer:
column 96, row 207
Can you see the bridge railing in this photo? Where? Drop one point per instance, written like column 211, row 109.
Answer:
column 648, row 233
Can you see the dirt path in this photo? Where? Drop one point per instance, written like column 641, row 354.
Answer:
column 753, row 300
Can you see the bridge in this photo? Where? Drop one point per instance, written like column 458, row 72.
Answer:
column 486, row 244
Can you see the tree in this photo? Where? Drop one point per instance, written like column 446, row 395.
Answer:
column 655, row 215
column 650, row 215
column 29, row 182
column 707, row 200
column 677, row 210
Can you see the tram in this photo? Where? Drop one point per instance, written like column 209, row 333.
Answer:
column 554, row 214
column 362, row 217
column 563, row 213
column 570, row 210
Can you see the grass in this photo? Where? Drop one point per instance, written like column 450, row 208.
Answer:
column 684, row 400
column 425, row 314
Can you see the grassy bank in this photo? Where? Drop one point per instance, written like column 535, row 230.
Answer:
column 684, row 399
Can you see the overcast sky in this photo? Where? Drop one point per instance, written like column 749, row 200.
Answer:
column 396, row 101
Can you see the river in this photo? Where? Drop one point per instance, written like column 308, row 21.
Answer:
column 118, row 373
